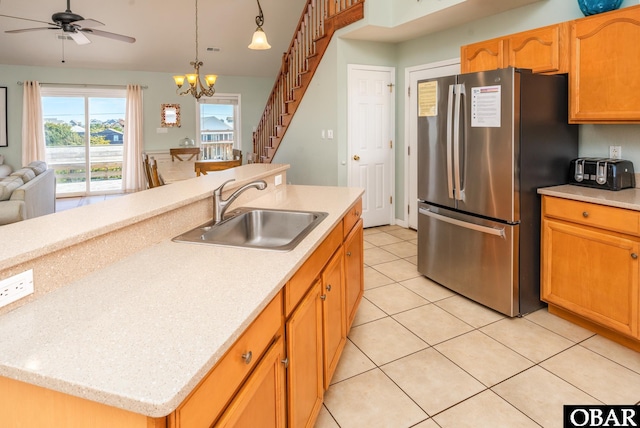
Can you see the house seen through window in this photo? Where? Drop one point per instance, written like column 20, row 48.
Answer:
column 84, row 129
column 219, row 126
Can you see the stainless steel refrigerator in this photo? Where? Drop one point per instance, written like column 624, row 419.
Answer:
column 486, row 142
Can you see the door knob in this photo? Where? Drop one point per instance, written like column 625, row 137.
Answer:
column 356, row 157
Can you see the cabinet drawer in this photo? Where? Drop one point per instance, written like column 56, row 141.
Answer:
column 302, row 280
column 610, row 218
column 207, row 401
column 352, row 217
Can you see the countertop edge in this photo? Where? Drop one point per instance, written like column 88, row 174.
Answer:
column 626, row 198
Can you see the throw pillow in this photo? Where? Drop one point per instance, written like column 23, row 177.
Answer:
column 26, row 174
column 38, row 167
column 8, row 185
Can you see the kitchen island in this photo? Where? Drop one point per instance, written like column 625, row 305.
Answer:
column 589, row 270
column 140, row 333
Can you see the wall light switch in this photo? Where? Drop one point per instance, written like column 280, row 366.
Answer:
column 330, row 134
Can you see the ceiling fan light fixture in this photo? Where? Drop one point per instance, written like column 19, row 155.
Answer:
column 259, row 39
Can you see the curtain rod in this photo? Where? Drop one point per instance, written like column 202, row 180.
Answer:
column 85, row 85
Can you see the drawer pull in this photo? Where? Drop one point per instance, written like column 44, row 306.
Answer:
column 634, row 256
column 328, row 287
column 247, row 357
column 585, row 214
column 323, row 297
column 348, row 253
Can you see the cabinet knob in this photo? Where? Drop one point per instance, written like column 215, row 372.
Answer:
column 356, row 157
column 247, row 357
column 357, row 213
column 634, row 256
column 328, row 287
column 323, row 297
column 348, row 253
column 285, row 362
column 585, row 214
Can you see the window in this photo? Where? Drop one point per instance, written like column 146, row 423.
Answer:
column 218, row 126
column 84, row 138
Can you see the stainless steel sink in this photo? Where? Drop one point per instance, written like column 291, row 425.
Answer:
column 278, row 230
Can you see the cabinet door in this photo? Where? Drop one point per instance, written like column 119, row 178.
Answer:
column 304, row 350
column 261, row 401
column 591, row 273
column 482, row 56
column 354, row 275
column 543, row 50
column 334, row 316
column 605, row 59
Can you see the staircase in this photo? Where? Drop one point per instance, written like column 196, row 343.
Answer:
column 319, row 20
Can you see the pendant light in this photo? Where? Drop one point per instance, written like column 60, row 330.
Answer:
column 259, row 40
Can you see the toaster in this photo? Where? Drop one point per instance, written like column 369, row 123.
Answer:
column 602, row 173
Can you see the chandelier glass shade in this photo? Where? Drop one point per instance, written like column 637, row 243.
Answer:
column 196, row 88
column 259, row 39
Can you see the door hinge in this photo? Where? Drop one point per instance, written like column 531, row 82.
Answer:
column 408, row 209
column 409, row 91
column 391, row 144
column 409, row 151
column 390, row 85
column 390, row 199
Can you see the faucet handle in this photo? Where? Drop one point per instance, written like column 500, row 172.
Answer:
column 218, row 191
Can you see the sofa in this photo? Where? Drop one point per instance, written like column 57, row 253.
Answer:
column 27, row 193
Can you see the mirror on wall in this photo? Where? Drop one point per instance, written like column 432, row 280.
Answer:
column 170, row 115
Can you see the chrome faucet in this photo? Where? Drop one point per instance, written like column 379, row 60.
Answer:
column 220, row 205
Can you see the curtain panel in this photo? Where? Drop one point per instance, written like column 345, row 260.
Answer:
column 132, row 173
column 33, row 142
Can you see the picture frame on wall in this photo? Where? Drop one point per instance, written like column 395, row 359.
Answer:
column 3, row 117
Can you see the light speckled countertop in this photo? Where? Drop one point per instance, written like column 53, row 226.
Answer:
column 141, row 333
column 626, row 198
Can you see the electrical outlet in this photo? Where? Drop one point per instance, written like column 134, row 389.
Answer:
column 615, row 152
column 16, row 287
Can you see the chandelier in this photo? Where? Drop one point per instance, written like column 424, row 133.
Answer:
column 196, row 88
column 259, row 40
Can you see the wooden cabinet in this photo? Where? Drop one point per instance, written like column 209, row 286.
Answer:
column 590, row 266
column 304, row 350
column 213, row 394
column 605, row 59
column 481, row 56
column 543, row 50
column 334, row 315
column 261, row 403
column 353, row 271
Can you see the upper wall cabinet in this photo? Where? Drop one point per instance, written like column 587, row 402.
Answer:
column 543, row 50
column 605, row 64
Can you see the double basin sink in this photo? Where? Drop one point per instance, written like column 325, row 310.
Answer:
column 268, row 229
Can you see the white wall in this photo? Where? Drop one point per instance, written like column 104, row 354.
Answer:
column 160, row 90
column 326, row 105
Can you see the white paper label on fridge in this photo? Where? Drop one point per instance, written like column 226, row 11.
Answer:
column 428, row 99
column 485, row 106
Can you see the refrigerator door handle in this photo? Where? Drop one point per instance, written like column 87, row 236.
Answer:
column 456, row 143
column 466, row 225
column 449, row 142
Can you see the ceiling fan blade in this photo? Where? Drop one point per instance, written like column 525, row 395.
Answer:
column 27, row 19
column 114, row 36
column 88, row 23
column 25, row 30
column 78, row 37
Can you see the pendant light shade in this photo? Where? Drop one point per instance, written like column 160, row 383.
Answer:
column 259, row 40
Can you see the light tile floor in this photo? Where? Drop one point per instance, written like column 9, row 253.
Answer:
column 422, row 356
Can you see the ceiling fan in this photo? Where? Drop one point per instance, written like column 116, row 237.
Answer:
column 73, row 25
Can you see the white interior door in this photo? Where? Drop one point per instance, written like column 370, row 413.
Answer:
column 412, row 76
column 371, row 119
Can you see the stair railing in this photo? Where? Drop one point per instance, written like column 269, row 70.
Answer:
column 319, row 20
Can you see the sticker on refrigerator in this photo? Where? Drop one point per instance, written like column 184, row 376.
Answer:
column 428, row 99
column 485, row 106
